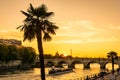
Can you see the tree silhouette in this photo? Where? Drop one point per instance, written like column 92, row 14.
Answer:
column 112, row 55
column 37, row 25
column 4, row 51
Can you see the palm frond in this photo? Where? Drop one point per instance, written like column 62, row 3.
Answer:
column 29, row 33
column 31, row 10
column 50, row 27
column 112, row 54
column 43, row 8
column 47, row 37
column 55, row 27
column 48, row 14
column 37, row 20
column 19, row 27
column 31, row 7
column 26, row 14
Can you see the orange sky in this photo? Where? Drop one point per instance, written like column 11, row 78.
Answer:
column 91, row 28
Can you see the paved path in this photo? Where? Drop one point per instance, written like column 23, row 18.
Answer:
column 108, row 76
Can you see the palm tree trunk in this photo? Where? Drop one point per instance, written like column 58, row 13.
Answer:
column 112, row 64
column 41, row 57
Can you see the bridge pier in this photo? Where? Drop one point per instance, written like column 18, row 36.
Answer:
column 86, row 66
column 71, row 66
column 102, row 66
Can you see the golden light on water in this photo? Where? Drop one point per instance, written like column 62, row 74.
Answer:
column 109, row 66
column 96, row 65
column 36, row 71
column 80, row 66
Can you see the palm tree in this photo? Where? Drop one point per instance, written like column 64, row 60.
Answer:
column 112, row 55
column 37, row 25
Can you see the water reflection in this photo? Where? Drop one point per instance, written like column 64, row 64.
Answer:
column 109, row 66
column 94, row 65
column 35, row 73
column 79, row 66
column 94, row 69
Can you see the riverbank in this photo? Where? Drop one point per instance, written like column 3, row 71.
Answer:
column 13, row 69
column 104, row 76
column 111, row 76
column 34, row 74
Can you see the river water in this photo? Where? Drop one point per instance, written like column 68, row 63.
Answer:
column 34, row 74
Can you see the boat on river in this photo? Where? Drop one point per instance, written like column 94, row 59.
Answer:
column 60, row 71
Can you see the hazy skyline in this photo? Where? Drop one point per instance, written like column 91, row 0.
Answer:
column 89, row 27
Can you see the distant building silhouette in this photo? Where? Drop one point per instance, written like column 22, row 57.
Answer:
column 11, row 42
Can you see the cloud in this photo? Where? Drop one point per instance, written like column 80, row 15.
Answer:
column 10, row 34
column 76, row 32
column 113, row 27
column 102, row 39
column 68, row 41
column 84, row 31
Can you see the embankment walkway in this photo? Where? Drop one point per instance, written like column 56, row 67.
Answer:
column 115, row 76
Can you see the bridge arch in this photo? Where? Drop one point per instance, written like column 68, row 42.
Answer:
column 71, row 61
column 87, row 64
column 72, row 65
column 60, row 63
column 111, row 65
column 50, row 64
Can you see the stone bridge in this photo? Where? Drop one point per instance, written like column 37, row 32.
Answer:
column 72, row 61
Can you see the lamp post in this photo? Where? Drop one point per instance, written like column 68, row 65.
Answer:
column 71, row 52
